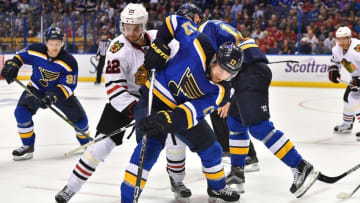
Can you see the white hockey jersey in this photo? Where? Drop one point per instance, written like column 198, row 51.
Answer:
column 349, row 60
column 123, row 59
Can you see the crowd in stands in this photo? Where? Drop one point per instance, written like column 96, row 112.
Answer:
column 273, row 24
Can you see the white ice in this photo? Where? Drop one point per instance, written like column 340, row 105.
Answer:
column 306, row 116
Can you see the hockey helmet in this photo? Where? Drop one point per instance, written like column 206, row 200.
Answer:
column 189, row 10
column 343, row 32
column 134, row 14
column 54, row 33
column 230, row 58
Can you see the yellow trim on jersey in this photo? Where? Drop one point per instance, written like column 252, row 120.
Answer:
column 169, row 26
column 130, row 178
column 82, row 136
column 64, row 91
column 201, row 27
column 62, row 63
column 20, row 59
column 35, row 53
column 239, row 150
column 188, row 115
column 284, row 150
column 26, row 135
column 222, row 91
column 203, row 56
column 158, row 94
column 246, row 46
column 215, row 176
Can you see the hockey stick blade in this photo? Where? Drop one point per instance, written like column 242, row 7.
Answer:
column 344, row 195
column 331, row 180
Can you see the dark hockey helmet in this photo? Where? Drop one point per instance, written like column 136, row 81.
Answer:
column 54, row 33
column 230, row 58
column 189, row 10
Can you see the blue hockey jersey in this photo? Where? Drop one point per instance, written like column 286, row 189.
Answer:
column 220, row 32
column 183, row 84
column 47, row 75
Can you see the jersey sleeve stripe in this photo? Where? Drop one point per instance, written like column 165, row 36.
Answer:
column 162, row 96
column 63, row 64
column 115, row 88
column 201, row 52
column 188, row 115
column 201, row 28
column 114, row 81
column 221, row 94
column 38, row 54
column 169, row 26
column 20, row 59
column 64, row 91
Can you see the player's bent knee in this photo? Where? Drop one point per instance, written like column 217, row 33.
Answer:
column 261, row 130
column 22, row 114
column 212, row 154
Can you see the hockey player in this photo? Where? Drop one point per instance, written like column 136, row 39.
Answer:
column 185, row 90
column 123, row 76
column 54, row 79
column 346, row 52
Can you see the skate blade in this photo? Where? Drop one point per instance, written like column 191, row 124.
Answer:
column 344, row 132
column 181, row 199
column 218, row 200
column 252, row 168
column 23, row 157
column 310, row 180
column 239, row 188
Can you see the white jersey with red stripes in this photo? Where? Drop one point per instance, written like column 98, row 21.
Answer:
column 350, row 59
column 123, row 59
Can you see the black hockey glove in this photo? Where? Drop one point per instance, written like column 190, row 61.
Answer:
column 49, row 98
column 10, row 70
column 157, row 55
column 355, row 84
column 334, row 74
column 156, row 124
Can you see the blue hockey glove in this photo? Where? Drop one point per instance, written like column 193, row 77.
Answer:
column 10, row 70
column 159, row 123
column 49, row 98
column 157, row 55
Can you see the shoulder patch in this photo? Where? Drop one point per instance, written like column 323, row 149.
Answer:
column 357, row 48
column 116, row 46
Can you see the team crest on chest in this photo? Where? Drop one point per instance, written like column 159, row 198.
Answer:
column 187, row 85
column 47, row 76
column 116, row 47
column 357, row 48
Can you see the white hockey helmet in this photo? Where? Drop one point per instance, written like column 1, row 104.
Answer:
column 343, row 32
column 134, row 14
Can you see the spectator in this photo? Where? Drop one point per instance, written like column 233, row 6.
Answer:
column 321, row 48
column 329, row 42
column 257, row 33
column 286, row 48
column 237, row 7
column 305, row 46
column 311, row 38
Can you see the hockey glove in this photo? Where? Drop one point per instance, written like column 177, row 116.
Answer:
column 129, row 110
column 141, row 75
column 355, row 84
column 334, row 74
column 10, row 70
column 157, row 55
column 159, row 123
column 49, row 98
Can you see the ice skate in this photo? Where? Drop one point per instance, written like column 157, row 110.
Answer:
column 252, row 164
column 224, row 195
column 236, row 179
column 358, row 136
column 181, row 192
column 304, row 177
column 23, row 153
column 64, row 195
column 343, row 128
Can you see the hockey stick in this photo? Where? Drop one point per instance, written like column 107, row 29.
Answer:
column 144, row 141
column 54, row 110
column 344, row 195
column 67, row 154
column 331, row 180
column 288, row 61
